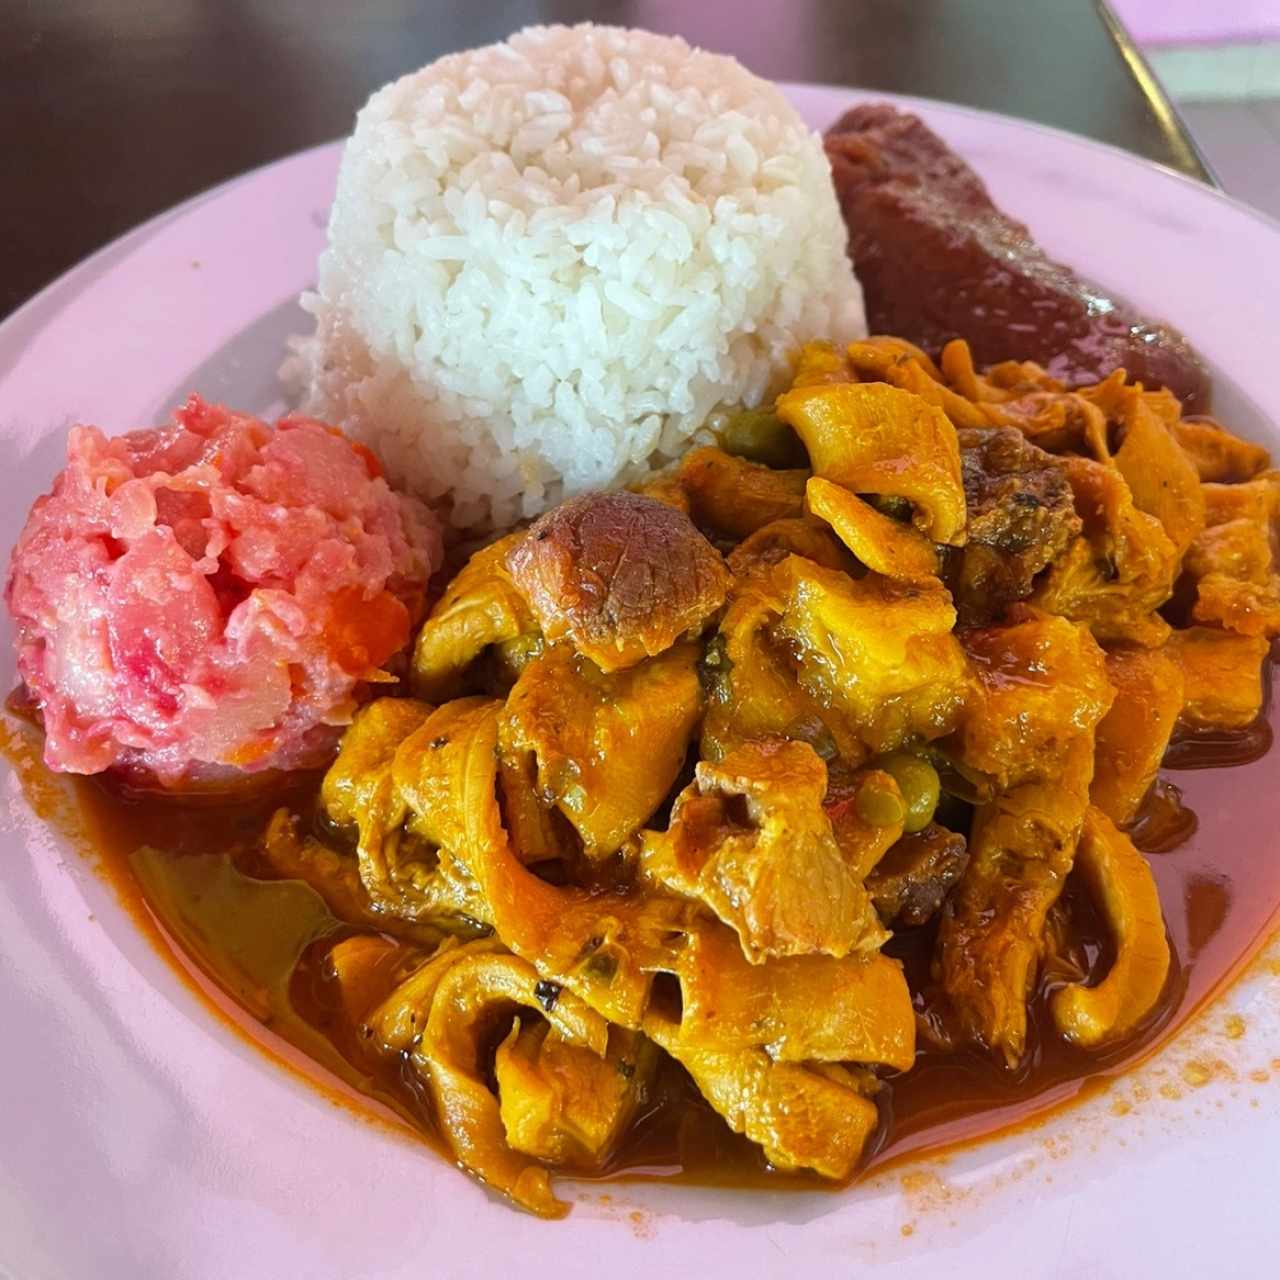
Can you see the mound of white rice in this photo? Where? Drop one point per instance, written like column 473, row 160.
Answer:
column 550, row 259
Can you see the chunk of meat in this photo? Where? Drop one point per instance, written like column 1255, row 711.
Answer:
column 1162, row 479
column 539, row 832
column 664, row 487
column 1250, row 608
column 821, row 364
column 733, row 497
column 1042, row 682
column 797, row 1008
column 621, row 576
column 563, row 1103
column 405, row 872
column 912, row 881
column 395, row 1025
column 605, row 947
column 368, row 748
column 1217, row 454
column 1234, row 561
column 999, row 384
column 803, row 1117
column 749, row 838
column 1256, row 500
column 606, row 748
column 1120, row 570
column 480, row 607
column 1021, row 850
column 1222, row 675
column 938, row 260
column 1043, row 690
column 870, row 437
column 1133, row 736
column 1121, row 883
column 469, row 995
column 1018, row 396
column 883, row 544
column 753, row 690
column 1057, row 421
column 881, row 653
column 1022, row 517
column 1235, row 552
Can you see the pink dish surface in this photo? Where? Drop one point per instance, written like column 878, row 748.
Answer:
column 141, row 1136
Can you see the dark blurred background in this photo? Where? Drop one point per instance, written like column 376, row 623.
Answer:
column 113, row 110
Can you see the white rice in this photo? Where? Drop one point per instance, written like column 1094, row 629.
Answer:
column 550, row 259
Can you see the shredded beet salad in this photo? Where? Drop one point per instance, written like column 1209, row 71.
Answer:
column 213, row 595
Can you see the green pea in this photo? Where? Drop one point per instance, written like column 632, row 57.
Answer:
column 761, row 436
column 880, row 806
column 892, row 506
column 918, row 781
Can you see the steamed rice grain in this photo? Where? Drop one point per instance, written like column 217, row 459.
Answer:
column 550, row 259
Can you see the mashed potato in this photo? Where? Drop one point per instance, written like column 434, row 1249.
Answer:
column 550, row 259
column 213, row 597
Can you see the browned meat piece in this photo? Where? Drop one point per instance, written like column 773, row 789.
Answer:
column 913, row 879
column 937, row 260
column 622, row 576
column 1022, row 516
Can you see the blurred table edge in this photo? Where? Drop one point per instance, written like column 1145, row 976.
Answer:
column 81, row 175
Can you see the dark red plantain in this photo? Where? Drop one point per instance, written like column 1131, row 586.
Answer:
column 938, row 260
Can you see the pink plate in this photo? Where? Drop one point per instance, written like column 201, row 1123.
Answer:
column 140, row 1136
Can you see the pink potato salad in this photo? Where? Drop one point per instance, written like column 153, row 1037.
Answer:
column 213, row 597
